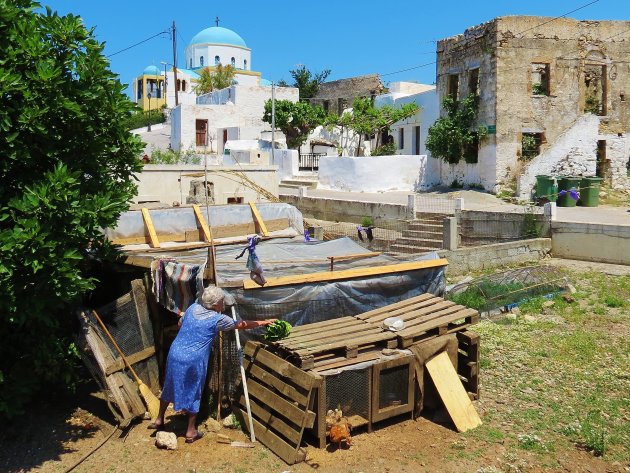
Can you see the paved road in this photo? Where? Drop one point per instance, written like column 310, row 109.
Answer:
column 475, row 200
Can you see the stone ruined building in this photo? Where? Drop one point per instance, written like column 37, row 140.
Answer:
column 552, row 94
column 337, row 95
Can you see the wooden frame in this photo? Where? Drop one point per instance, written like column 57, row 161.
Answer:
column 378, row 413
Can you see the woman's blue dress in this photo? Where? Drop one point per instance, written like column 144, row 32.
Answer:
column 187, row 362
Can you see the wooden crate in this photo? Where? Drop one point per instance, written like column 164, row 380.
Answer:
column 281, row 400
column 468, row 362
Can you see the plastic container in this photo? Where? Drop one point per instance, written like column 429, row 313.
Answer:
column 568, row 183
column 546, row 189
column 589, row 191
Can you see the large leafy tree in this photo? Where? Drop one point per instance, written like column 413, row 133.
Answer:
column 308, row 82
column 366, row 119
column 454, row 137
column 295, row 120
column 66, row 168
column 215, row 79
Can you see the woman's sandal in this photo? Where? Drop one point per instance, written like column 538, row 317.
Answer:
column 196, row 437
column 154, row 426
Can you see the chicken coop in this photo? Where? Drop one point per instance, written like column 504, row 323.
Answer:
column 358, row 365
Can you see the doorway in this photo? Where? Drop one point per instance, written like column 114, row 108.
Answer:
column 601, row 159
column 201, row 131
column 416, row 140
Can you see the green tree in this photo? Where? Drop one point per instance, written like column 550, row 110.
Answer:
column 295, row 120
column 67, row 171
column 451, row 137
column 308, row 82
column 366, row 119
column 215, row 79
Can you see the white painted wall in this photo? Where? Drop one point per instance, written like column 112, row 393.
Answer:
column 591, row 242
column 572, row 154
column 169, row 183
column 373, row 174
column 238, row 107
column 287, row 161
column 225, row 53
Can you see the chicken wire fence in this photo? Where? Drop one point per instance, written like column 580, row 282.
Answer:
column 508, row 289
column 479, row 227
column 444, row 204
column 378, row 237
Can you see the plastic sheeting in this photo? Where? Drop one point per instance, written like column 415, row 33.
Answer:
column 182, row 219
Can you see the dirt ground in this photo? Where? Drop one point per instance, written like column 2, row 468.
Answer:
column 520, row 394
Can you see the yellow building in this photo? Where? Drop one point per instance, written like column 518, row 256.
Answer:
column 148, row 89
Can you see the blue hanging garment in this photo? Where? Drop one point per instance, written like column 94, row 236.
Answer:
column 253, row 263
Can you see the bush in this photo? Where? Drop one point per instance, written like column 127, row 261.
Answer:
column 141, row 118
column 67, row 172
column 174, row 157
column 388, row 149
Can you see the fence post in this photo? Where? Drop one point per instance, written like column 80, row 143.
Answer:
column 449, row 237
column 459, row 204
column 412, row 207
column 318, row 233
column 551, row 211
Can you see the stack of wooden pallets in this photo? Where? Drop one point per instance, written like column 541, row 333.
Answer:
column 425, row 317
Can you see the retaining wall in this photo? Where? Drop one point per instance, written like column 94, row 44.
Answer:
column 482, row 228
column 476, row 258
column 591, row 242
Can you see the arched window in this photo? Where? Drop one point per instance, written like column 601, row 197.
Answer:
column 217, row 60
column 245, row 64
column 233, row 61
column 191, row 63
column 201, row 61
column 183, row 86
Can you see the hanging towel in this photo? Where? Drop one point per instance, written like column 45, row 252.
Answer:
column 177, row 285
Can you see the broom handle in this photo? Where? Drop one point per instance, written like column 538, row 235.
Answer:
column 122, row 355
column 245, row 391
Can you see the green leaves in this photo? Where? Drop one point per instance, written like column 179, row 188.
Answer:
column 66, row 171
column 217, row 78
column 296, row 120
column 451, row 138
column 278, row 330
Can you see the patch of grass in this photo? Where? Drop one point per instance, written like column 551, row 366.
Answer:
column 488, row 295
column 612, row 300
column 532, row 306
column 531, row 442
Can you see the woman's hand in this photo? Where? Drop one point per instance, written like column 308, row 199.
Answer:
column 267, row 322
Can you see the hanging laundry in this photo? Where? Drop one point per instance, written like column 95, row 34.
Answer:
column 307, row 235
column 573, row 193
column 367, row 231
column 253, row 263
column 176, row 285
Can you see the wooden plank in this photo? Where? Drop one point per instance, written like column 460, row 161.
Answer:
column 452, row 392
column 327, row 336
column 274, row 443
column 346, row 274
column 280, row 366
column 225, row 231
column 269, row 420
column 278, row 403
column 416, row 312
column 202, row 223
column 270, row 380
column 259, row 220
column 397, row 305
column 340, row 362
column 137, row 357
column 319, row 327
column 346, row 338
column 377, row 337
column 155, row 243
column 355, row 256
column 460, row 313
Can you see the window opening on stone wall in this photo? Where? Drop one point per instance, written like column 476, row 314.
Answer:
column 473, row 82
column 183, row 86
column 326, row 105
column 453, row 85
column 245, row 64
column 341, row 105
column 471, row 150
column 540, row 78
column 401, row 138
column 235, row 200
column 233, row 62
column 191, row 65
column 139, row 89
column 217, row 60
column 595, row 89
column 201, row 61
column 530, row 145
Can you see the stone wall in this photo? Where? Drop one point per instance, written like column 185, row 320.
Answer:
column 483, row 228
column 464, row 260
column 505, row 51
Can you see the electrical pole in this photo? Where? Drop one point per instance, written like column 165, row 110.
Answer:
column 273, row 122
column 175, row 86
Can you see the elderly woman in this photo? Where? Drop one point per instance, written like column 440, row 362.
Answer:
column 187, row 362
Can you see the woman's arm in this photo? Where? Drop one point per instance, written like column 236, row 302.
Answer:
column 249, row 324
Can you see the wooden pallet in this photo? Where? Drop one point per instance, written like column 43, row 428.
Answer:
column 468, row 362
column 330, row 341
column 281, row 400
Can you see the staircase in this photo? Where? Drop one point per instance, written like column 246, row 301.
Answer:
column 424, row 234
column 300, row 181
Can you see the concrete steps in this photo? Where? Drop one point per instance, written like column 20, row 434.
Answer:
column 424, row 234
column 297, row 182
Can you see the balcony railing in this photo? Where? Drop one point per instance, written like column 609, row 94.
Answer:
column 309, row 161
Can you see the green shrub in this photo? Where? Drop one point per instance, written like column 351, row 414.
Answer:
column 367, row 222
column 141, row 119
column 169, row 156
column 388, row 149
column 67, row 172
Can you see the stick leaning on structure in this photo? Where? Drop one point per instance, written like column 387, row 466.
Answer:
column 152, row 402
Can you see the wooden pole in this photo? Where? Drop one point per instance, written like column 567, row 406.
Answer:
column 220, row 377
column 245, row 391
column 174, row 32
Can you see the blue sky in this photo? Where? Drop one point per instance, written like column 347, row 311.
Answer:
column 349, row 37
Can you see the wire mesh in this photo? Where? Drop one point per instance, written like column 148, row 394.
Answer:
column 485, row 228
column 381, row 237
column 509, row 288
column 393, row 386
column 445, row 204
column 349, row 391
